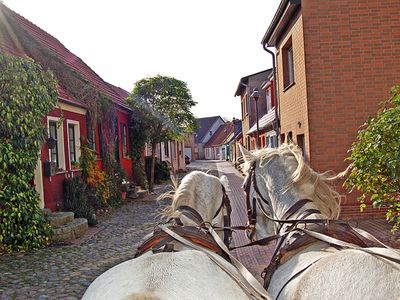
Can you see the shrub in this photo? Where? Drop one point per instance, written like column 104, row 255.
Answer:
column 75, row 199
column 161, row 170
column 27, row 95
column 376, row 162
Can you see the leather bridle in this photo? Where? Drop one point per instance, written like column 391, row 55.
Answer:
column 251, row 204
column 193, row 214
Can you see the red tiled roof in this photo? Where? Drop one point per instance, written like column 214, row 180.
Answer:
column 15, row 47
column 203, row 126
column 220, row 135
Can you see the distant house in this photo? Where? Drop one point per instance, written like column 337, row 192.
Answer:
column 234, row 140
column 206, row 127
column 19, row 37
column 266, row 123
column 190, row 147
column 248, row 106
column 216, row 147
column 171, row 152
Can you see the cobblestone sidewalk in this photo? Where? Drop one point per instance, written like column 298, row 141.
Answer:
column 64, row 272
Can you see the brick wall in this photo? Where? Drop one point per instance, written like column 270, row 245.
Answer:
column 293, row 101
column 352, row 58
column 245, row 117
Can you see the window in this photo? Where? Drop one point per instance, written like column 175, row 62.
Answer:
column 173, row 149
column 94, row 140
column 243, row 107
column 166, row 149
column 56, row 131
column 73, row 142
column 268, row 98
column 100, row 130
column 124, row 138
column 288, row 64
column 282, row 138
column 54, row 151
column 210, row 133
column 301, row 144
column 274, row 141
column 248, row 108
column 290, row 137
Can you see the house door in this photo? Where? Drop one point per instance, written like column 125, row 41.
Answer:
column 188, row 152
column 39, row 182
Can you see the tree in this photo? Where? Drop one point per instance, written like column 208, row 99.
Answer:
column 375, row 168
column 163, row 103
column 27, row 95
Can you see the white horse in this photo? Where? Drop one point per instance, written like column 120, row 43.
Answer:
column 185, row 274
column 281, row 186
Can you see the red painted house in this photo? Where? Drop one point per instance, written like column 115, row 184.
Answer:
column 20, row 37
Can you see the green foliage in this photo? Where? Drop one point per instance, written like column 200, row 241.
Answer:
column 137, row 139
column 161, row 170
column 376, row 161
column 27, row 95
column 75, row 199
column 113, row 179
column 163, row 105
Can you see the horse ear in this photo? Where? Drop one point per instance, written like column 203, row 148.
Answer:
column 247, row 156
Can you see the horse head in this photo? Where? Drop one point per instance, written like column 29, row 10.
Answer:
column 202, row 192
column 277, row 179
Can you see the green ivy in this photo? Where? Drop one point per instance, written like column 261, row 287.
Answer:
column 376, row 161
column 27, row 95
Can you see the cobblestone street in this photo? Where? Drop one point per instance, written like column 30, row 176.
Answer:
column 64, row 272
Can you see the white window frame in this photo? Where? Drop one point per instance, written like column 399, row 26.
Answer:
column 77, row 131
column 60, row 143
column 270, row 136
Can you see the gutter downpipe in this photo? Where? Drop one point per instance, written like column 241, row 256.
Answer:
column 277, row 123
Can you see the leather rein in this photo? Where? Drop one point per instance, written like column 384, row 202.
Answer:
column 336, row 233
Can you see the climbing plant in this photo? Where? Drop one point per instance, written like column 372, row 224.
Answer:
column 138, row 136
column 375, row 160
column 27, row 94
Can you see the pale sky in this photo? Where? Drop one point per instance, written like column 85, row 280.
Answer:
column 208, row 44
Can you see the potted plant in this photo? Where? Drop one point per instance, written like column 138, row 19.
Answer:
column 124, row 188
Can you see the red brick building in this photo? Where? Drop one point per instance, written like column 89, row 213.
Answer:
column 336, row 61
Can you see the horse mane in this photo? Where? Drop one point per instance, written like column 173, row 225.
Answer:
column 316, row 186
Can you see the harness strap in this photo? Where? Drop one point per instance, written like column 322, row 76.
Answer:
column 295, row 208
column 294, row 276
column 332, row 240
column 191, row 213
column 242, row 269
column 257, row 293
column 227, row 218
